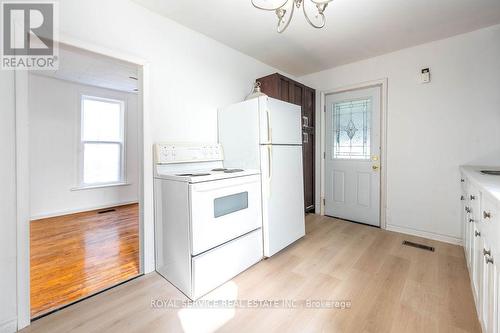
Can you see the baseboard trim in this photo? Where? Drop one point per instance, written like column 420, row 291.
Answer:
column 9, row 326
column 81, row 210
column 425, row 234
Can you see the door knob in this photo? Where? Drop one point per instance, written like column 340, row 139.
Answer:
column 477, row 234
column 486, row 215
column 375, row 167
column 471, row 220
column 489, row 260
column 486, row 252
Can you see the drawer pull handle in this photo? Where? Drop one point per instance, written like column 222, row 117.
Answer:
column 486, row 252
column 486, row 215
column 489, row 260
column 472, row 197
column 477, row 233
column 462, row 180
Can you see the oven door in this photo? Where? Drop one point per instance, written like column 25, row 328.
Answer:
column 223, row 210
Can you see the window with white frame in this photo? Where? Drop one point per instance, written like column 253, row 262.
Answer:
column 102, row 143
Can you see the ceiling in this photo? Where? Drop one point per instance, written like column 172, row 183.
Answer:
column 355, row 29
column 85, row 67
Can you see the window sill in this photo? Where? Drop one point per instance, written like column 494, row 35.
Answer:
column 91, row 187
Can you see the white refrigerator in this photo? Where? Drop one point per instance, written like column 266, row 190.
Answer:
column 265, row 133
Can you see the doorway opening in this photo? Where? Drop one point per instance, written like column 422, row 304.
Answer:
column 353, row 143
column 85, row 184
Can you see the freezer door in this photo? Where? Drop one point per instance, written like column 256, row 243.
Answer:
column 238, row 130
column 280, row 122
column 282, row 197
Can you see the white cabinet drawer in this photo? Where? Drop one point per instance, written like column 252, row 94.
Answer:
column 489, row 291
column 477, row 263
column 463, row 182
column 473, row 202
column 224, row 211
column 213, row 268
column 471, row 219
column 489, row 211
column 490, row 221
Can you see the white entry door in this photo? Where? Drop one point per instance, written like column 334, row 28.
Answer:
column 352, row 161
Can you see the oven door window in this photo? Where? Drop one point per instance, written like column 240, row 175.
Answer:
column 230, row 204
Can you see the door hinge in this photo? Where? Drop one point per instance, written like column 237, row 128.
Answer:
column 324, row 201
column 324, row 155
column 324, row 108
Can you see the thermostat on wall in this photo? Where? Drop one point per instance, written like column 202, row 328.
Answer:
column 425, row 76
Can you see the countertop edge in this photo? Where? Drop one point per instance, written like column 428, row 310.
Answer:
column 488, row 183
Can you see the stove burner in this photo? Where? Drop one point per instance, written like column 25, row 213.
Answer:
column 219, row 169
column 233, row 170
column 193, row 174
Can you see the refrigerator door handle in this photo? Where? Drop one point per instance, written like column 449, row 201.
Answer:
column 269, row 131
column 270, row 161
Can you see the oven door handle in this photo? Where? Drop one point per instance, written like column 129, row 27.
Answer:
column 211, row 189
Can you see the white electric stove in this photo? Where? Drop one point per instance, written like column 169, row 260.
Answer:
column 208, row 219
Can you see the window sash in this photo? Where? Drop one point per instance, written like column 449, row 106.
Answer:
column 120, row 161
column 121, row 142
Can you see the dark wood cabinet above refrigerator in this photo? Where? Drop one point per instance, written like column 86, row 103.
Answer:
column 288, row 90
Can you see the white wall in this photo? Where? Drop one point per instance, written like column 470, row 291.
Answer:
column 190, row 76
column 432, row 128
column 7, row 204
column 54, row 144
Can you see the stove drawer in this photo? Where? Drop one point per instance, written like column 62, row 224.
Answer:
column 213, row 268
column 223, row 210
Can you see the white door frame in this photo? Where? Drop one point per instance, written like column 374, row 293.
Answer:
column 382, row 83
column 146, row 226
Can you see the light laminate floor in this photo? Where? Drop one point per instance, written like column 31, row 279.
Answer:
column 392, row 288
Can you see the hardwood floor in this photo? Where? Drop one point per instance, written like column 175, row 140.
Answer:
column 392, row 288
column 77, row 255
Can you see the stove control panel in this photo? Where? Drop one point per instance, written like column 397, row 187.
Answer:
column 167, row 153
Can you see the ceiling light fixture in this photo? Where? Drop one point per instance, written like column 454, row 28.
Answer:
column 284, row 11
